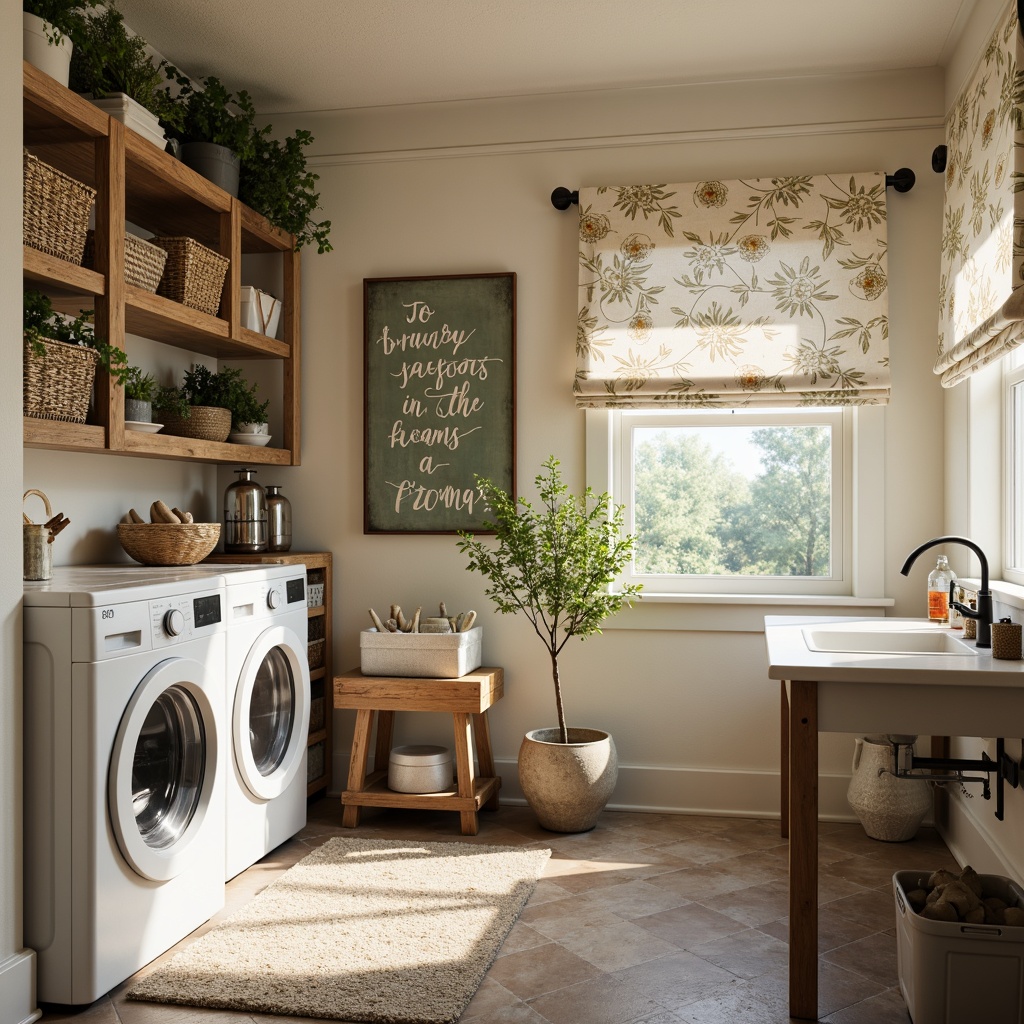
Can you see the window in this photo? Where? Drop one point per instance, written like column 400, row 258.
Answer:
column 755, row 502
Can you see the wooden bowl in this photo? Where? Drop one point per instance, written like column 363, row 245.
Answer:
column 168, row 543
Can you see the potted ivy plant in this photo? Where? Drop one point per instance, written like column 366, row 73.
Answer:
column 51, row 30
column 554, row 564
column 216, row 128
column 140, row 389
column 115, row 69
column 60, row 359
column 275, row 181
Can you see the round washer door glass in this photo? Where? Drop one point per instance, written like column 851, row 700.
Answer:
column 163, row 769
column 168, row 768
column 270, row 718
column 271, row 712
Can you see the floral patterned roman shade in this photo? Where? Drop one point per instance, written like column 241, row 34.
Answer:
column 718, row 294
column 981, row 298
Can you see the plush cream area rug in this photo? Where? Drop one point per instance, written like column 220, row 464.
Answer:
column 360, row 930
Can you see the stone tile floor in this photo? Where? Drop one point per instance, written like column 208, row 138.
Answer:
column 648, row 919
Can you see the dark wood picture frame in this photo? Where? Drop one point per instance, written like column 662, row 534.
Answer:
column 439, row 399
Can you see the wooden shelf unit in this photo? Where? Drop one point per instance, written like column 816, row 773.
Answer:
column 138, row 183
column 320, row 678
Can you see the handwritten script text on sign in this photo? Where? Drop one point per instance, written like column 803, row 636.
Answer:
column 438, row 407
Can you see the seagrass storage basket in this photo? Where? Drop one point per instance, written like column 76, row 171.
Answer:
column 143, row 263
column 168, row 543
column 55, row 209
column 58, row 384
column 193, row 275
column 206, row 423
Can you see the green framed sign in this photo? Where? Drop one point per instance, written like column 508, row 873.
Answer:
column 439, row 399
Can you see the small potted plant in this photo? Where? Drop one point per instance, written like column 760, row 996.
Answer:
column 116, row 70
column 140, row 389
column 554, row 564
column 52, row 28
column 275, row 181
column 248, row 414
column 216, row 128
column 199, row 407
column 60, row 359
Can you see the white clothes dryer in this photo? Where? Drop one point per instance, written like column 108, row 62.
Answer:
column 267, row 711
column 124, row 795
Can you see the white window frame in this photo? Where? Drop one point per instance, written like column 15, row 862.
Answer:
column 862, row 520
column 1013, row 468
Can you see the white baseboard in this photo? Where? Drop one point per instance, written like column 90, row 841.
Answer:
column 971, row 841
column 18, row 990
column 741, row 794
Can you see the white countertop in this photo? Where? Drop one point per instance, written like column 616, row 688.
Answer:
column 790, row 658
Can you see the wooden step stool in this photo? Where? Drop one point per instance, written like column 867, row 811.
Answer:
column 466, row 699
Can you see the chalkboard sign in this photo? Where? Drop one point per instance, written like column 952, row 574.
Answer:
column 439, row 399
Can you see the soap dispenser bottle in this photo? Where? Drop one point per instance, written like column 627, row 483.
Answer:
column 939, row 580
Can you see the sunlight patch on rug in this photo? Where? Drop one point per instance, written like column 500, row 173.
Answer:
column 360, row 930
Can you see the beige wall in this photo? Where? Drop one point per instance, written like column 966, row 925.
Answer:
column 16, row 995
column 462, row 188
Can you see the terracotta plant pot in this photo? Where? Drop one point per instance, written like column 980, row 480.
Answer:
column 568, row 784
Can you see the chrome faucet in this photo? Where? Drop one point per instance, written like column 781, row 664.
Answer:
column 983, row 613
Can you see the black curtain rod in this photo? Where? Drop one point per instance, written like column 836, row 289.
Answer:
column 902, row 181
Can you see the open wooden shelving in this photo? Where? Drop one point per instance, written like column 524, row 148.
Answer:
column 140, row 185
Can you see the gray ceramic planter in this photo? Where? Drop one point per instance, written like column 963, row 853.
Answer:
column 215, row 163
column 568, row 784
column 138, row 411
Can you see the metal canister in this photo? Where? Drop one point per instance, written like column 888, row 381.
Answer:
column 279, row 519
column 245, row 515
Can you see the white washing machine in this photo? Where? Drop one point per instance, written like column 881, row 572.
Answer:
column 267, row 711
column 124, row 795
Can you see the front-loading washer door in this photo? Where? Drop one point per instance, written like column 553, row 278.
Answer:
column 163, row 769
column 270, row 719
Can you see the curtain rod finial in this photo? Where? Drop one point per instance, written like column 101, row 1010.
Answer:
column 562, row 198
column 902, row 180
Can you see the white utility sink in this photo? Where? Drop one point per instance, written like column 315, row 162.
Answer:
column 882, row 637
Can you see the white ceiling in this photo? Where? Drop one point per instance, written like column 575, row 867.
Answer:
column 305, row 55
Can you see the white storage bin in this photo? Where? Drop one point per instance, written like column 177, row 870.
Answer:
column 314, row 595
column 421, row 655
column 252, row 301
column 956, row 973
column 420, row 768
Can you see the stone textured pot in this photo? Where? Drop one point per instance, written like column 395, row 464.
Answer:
column 137, row 410
column 568, row 784
column 890, row 809
column 53, row 58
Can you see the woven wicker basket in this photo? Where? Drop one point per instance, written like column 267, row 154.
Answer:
column 168, row 543
column 56, row 210
column 206, row 423
column 58, row 385
column 194, row 275
column 315, row 654
column 143, row 263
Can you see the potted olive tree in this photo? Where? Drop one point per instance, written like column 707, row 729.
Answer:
column 554, row 564
column 115, row 69
column 52, row 28
column 216, row 128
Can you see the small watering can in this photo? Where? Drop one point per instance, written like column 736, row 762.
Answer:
column 37, row 540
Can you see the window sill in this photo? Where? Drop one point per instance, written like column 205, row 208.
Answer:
column 735, row 613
